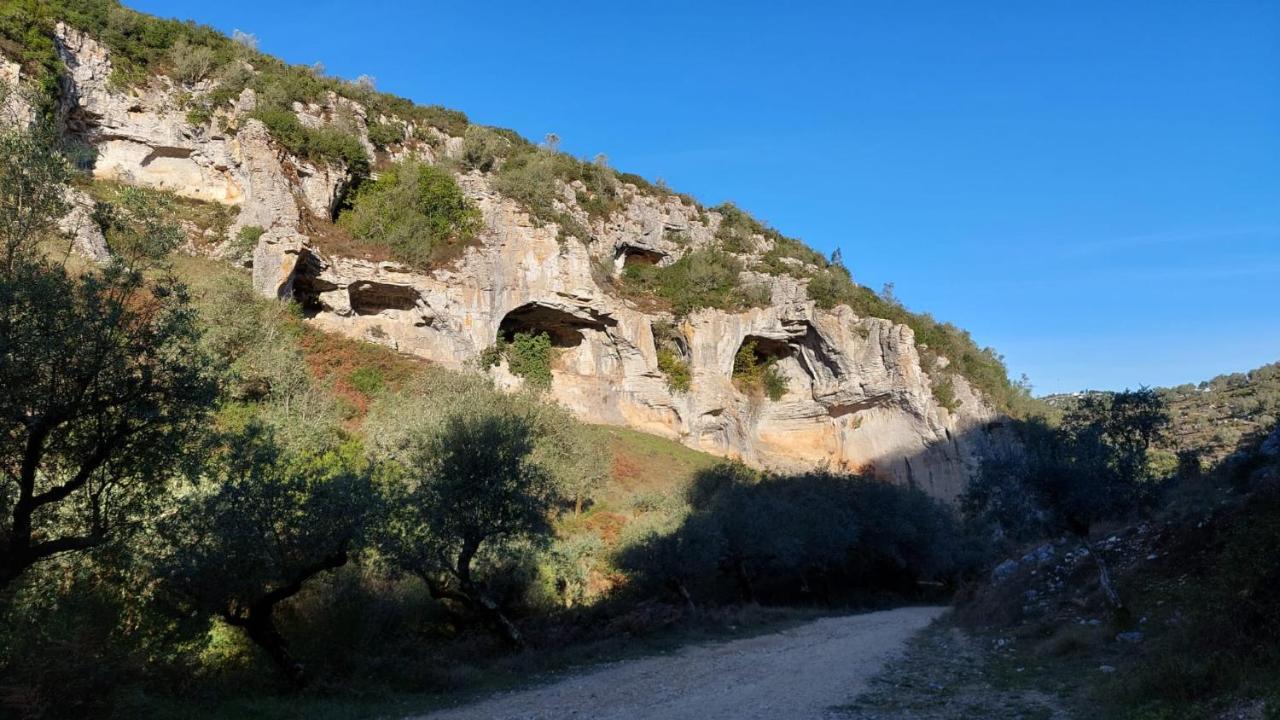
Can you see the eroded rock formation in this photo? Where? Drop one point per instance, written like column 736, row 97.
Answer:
column 857, row 395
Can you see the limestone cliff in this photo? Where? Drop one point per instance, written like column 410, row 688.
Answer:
column 857, row 394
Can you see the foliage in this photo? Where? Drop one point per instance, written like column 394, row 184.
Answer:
column 138, row 224
column 530, row 178
column 367, row 380
column 944, row 392
column 672, row 348
column 263, row 526
column 788, row 538
column 415, row 209
column 32, row 175
column 324, row 144
column 483, row 148
column 473, row 491
column 701, row 278
column 386, row 133
column 265, row 379
column 104, row 382
column 247, row 239
column 1094, row 467
column 676, row 369
column 562, row 445
column 752, row 373
column 528, row 355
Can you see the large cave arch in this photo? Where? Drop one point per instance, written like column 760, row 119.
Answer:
column 564, row 328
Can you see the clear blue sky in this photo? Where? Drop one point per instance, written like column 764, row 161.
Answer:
column 1091, row 187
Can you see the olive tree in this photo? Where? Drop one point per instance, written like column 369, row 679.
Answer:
column 473, row 491
column 258, row 529
column 102, row 381
column 397, row 424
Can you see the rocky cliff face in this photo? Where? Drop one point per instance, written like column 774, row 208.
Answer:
column 857, row 395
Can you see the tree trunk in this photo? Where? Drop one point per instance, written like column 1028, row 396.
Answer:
column 683, row 592
column 744, row 581
column 473, row 596
column 1104, row 577
column 259, row 620
column 505, row 627
column 261, row 628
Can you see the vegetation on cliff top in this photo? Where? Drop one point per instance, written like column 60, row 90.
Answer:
column 415, row 209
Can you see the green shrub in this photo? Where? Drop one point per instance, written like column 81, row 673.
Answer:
column 944, row 391
column 736, row 229
column 324, row 145
column 482, row 147
column 529, row 177
column 801, row 538
column 753, row 374
column 676, row 368
column 416, row 210
column 247, row 239
column 529, row 356
column 702, row 278
column 368, row 380
column 386, row 133
column 773, row 382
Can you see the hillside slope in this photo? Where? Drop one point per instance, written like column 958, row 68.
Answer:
column 1213, row 418
column 409, row 227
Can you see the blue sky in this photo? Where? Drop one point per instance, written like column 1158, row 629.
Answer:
column 1092, row 188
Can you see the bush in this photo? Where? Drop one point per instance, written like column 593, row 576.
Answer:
column 367, row 380
column 702, row 278
column 246, row 240
column 756, row 375
column 191, row 63
column 799, row 538
column 944, row 392
column 416, row 210
column 386, row 133
column 529, row 356
column 676, row 368
column 530, row 178
column 322, row 145
column 482, row 148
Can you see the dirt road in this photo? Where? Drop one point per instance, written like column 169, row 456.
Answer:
column 797, row 673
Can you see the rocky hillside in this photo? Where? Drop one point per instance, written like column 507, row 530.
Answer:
column 1213, row 418
column 635, row 306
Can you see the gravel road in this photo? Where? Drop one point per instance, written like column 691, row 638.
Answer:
column 798, row 673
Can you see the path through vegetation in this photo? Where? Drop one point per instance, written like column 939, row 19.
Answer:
column 802, row 672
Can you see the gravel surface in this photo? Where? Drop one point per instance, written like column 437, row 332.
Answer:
column 799, row 673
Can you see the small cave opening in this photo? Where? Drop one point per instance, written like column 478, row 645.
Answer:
column 307, row 284
column 631, row 255
column 766, row 350
column 370, row 298
column 564, row 329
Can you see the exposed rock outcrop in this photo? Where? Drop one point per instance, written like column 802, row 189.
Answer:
column 857, row 395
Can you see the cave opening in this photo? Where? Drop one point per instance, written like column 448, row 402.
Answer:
column 307, row 284
column 632, row 255
column 564, row 329
column 766, row 350
column 370, row 298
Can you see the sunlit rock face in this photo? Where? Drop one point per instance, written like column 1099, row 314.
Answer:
column 857, row 397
